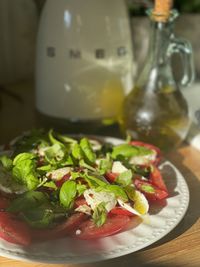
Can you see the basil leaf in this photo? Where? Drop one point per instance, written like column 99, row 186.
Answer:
column 147, row 188
column 93, row 181
column 27, row 201
column 54, row 153
column 40, row 217
column 6, row 162
column 82, row 163
column 31, row 140
column 105, row 164
column 46, row 168
column 86, row 147
column 77, row 152
column 99, row 215
column 125, row 178
column 53, row 140
column 68, row 193
column 24, row 170
column 116, row 190
column 81, row 189
column 127, row 151
column 50, row 184
column 66, row 139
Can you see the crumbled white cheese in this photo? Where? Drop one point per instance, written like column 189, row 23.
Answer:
column 143, row 160
column 58, row 174
column 94, row 198
column 118, row 167
column 84, row 209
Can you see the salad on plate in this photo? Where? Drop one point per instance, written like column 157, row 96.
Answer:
column 53, row 186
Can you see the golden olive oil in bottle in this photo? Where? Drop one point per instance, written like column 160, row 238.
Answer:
column 155, row 111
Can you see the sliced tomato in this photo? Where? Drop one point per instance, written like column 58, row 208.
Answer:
column 151, row 147
column 4, row 203
column 60, row 182
column 114, row 224
column 80, row 201
column 60, row 230
column 121, row 211
column 111, row 176
column 157, row 179
column 149, row 190
column 14, row 230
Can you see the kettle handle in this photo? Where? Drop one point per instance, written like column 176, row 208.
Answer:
column 184, row 48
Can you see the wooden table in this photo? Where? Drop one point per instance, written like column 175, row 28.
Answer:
column 179, row 248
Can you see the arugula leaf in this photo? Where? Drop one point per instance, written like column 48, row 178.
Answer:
column 127, row 151
column 68, row 193
column 125, row 178
column 27, row 201
column 89, row 154
column 6, row 162
column 24, row 170
column 99, row 215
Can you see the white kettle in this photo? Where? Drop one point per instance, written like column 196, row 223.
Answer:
column 84, row 59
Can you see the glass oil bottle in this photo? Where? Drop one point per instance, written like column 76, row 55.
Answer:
column 155, row 111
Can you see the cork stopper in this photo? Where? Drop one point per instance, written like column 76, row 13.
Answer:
column 161, row 11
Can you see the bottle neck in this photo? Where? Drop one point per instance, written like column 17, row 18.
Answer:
column 157, row 72
column 159, row 43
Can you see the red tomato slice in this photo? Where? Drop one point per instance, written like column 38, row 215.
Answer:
column 60, row 230
column 113, row 225
column 111, row 176
column 14, row 230
column 60, row 182
column 150, row 190
column 157, row 180
column 80, row 201
column 151, row 147
column 121, row 211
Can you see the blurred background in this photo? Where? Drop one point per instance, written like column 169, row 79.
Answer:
column 19, row 22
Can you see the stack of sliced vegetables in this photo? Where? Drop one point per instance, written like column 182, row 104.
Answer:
column 52, row 186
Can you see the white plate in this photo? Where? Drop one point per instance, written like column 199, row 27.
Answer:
column 163, row 218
